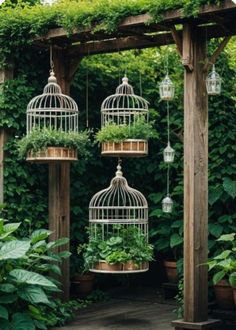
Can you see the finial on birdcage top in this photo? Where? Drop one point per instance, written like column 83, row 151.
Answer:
column 119, row 173
column 125, row 80
column 52, row 78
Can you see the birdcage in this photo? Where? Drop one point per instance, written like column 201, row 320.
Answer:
column 120, row 114
column 48, row 112
column 118, row 229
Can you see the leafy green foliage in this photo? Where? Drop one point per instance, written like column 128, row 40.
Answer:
column 40, row 139
column 223, row 264
column 128, row 244
column 24, row 281
column 139, row 129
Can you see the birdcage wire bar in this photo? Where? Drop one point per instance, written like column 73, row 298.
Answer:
column 123, row 107
column 114, row 212
column 52, row 109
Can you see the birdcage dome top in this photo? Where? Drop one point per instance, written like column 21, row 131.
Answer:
column 119, row 195
column 124, row 98
column 52, row 99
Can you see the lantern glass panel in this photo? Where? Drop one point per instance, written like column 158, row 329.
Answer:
column 167, row 205
column 168, row 154
column 213, row 83
column 167, row 89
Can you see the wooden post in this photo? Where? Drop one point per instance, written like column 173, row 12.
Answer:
column 5, row 74
column 59, row 176
column 195, row 185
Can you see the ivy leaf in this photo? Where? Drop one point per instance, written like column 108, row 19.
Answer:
column 230, row 186
column 214, row 194
column 175, row 240
column 215, row 229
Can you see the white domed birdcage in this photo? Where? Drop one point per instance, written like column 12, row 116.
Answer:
column 51, row 111
column 124, row 109
column 118, row 229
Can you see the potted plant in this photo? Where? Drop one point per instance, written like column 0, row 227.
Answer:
column 128, row 140
column 128, row 251
column 222, row 267
column 45, row 145
column 83, row 279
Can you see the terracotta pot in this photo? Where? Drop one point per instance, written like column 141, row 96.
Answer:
column 83, row 284
column 103, row 265
column 234, row 295
column 224, row 295
column 52, row 154
column 127, row 148
column 171, row 271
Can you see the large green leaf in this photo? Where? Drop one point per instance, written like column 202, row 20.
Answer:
column 33, row 294
column 175, row 240
column 39, row 235
column 60, row 242
column 14, row 249
column 22, row 321
column 9, row 228
column 230, row 186
column 8, row 288
column 24, row 276
column 219, row 276
column 3, row 313
column 8, row 298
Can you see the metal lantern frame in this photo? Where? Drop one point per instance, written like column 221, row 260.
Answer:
column 124, row 108
column 213, row 82
column 114, row 210
column 168, row 154
column 167, row 204
column 167, row 89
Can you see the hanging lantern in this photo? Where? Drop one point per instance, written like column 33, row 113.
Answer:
column 124, row 108
column 168, row 154
column 49, row 111
column 213, row 82
column 118, row 231
column 167, row 89
column 167, row 204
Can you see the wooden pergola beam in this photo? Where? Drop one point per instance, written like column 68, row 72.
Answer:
column 172, row 17
column 145, row 41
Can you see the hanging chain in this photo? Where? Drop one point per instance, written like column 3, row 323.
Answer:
column 87, row 96
column 167, row 62
column 168, row 181
column 87, row 99
column 168, row 122
column 51, row 58
column 140, row 84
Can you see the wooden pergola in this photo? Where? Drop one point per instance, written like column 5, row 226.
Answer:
column 189, row 35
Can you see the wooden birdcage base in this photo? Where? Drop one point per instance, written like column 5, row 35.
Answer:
column 126, row 148
column 53, row 154
column 119, row 268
